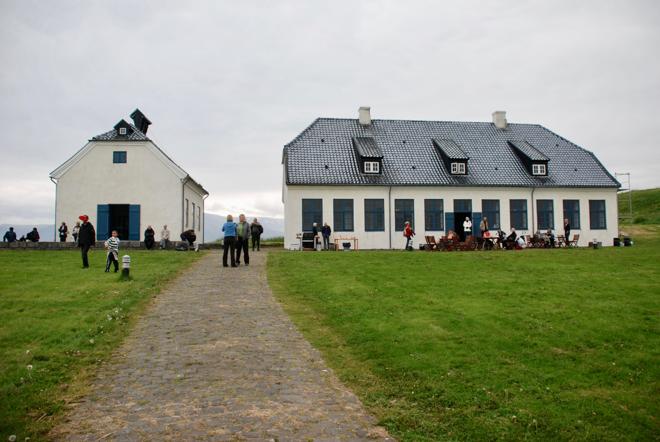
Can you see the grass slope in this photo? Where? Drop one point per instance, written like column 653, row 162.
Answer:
column 59, row 322
column 646, row 206
column 536, row 344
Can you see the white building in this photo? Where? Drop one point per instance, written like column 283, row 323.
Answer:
column 123, row 181
column 367, row 177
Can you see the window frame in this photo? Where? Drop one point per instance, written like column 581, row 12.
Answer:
column 522, row 213
column 434, row 217
column 342, row 214
column 592, row 218
column 123, row 131
column 575, row 215
column 371, row 167
column 119, row 157
column 545, row 212
column 400, row 214
column 374, row 217
column 494, row 218
column 539, row 169
column 458, row 168
column 315, row 215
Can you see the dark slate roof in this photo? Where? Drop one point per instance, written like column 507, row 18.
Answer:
column 528, row 150
column 451, row 149
column 410, row 158
column 113, row 135
column 367, row 147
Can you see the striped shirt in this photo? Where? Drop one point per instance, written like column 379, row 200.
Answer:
column 112, row 244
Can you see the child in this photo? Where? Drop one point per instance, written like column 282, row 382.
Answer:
column 112, row 244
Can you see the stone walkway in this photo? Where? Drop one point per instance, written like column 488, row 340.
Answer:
column 216, row 358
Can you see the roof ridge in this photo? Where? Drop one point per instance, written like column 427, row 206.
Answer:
column 420, row 121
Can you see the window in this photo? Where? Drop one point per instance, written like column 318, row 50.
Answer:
column 597, row 216
column 122, row 131
column 187, row 211
column 538, row 169
column 458, row 168
column 194, row 212
column 312, row 212
column 371, row 167
column 572, row 213
column 404, row 210
column 491, row 209
column 545, row 214
column 119, row 156
column 433, row 215
column 374, row 215
column 518, row 213
column 462, row 206
column 343, row 215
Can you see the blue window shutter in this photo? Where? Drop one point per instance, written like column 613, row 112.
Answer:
column 134, row 222
column 476, row 220
column 102, row 221
column 449, row 221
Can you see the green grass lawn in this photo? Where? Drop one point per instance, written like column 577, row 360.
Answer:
column 533, row 344
column 59, row 322
column 645, row 203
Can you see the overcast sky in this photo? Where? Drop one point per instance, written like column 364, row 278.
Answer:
column 227, row 84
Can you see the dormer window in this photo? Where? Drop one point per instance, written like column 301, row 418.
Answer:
column 122, row 131
column 539, row 169
column 458, row 168
column 371, row 167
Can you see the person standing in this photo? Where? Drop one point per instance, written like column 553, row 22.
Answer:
column 315, row 232
column 86, row 239
column 164, row 237
column 567, row 230
column 408, row 232
column 243, row 235
column 229, row 243
column 10, row 236
column 256, row 229
column 326, row 231
column 467, row 227
column 112, row 245
column 64, row 232
column 75, row 231
column 149, row 238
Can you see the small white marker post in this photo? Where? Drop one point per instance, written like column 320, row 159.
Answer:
column 125, row 266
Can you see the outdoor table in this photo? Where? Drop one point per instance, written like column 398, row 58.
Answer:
column 354, row 240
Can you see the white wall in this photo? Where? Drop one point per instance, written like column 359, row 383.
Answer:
column 144, row 179
column 193, row 195
column 381, row 240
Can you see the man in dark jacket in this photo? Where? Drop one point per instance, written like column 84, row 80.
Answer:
column 86, row 238
column 10, row 235
column 33, row 235
column 256, row 229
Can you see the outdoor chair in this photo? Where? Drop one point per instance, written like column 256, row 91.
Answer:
column 430, row 243
column 574, row 241
column 561, row 241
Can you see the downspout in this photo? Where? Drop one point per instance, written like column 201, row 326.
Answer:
column 183, row 200
column 533, row 211
column 203, row 216
column 389, row 214
column 55, row 215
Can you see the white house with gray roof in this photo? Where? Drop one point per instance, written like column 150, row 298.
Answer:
column 123, row 181
column 366, row 177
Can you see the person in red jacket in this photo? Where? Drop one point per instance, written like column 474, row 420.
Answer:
column 408, row 232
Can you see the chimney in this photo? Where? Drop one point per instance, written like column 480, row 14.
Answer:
column 499, row 119
column 140, row 121
column 365, row 115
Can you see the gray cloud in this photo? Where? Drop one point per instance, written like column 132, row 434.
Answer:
column 227, row 84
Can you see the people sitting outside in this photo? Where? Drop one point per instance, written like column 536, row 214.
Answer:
column 75, row 232
column 326, row 231
column 63, row 231
column 520, row 242
column 408, row 232
column 510, row 241
column 256, row 229
column 33, row 236
column 451, row 235
column 149, row 238
column 190, row 237
column 10, row 236
column 550, row 238
column 164, row 237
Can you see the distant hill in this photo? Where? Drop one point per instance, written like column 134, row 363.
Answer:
column 46, row 231
column 273, row 227
column 645, row 204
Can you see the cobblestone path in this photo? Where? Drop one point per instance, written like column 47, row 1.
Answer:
column 216, row 358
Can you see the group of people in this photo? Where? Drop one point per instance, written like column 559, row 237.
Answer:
column 63, row 231
column 31, row 236
column 325, row 232
column 237, row 239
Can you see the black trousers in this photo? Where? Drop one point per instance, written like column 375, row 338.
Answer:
column 256, row 240
column 111, row 259
column 83, row 250
column 229, row 245
column 242, row 245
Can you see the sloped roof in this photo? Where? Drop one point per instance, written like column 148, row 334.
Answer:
column 451, row 149
column 410, row 157
column 367, row 147
column 113, row 135
column 528, row 150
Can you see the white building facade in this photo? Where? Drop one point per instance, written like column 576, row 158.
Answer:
column 434, row 174
column 123, row 181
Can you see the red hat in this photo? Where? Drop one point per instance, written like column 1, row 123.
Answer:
column 83, row 218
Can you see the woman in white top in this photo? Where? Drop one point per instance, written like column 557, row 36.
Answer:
column 467, row 227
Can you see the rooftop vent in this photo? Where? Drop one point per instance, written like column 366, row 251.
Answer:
column 140, row 121
column 499, row 119
column 365, row 115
